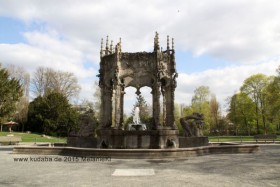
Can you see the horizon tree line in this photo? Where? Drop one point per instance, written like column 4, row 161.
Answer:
column 254, row 109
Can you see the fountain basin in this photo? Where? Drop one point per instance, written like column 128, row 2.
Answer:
column 138, row 153
column 150, row 139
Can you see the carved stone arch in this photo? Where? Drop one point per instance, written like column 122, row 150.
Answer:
column 119, row 70
column 138, row 82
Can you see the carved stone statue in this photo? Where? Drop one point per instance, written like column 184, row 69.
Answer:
column 192, row 125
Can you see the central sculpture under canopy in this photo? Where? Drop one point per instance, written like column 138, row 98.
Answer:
column 119, row 70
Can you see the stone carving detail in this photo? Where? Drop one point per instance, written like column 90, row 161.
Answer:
column 87, row 125
column 192, row 125
column 119, row 70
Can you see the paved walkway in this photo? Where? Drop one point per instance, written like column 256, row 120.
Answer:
column 258, row 169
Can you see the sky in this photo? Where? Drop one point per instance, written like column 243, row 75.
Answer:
column 218, row 43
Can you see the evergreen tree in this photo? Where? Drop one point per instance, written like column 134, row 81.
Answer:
column 10, row 92
column 52, row 115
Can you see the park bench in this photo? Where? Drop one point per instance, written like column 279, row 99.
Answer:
column 11, row 140
column 265, row 137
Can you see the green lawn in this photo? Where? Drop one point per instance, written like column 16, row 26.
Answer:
column 232, row 138
column 31, row 137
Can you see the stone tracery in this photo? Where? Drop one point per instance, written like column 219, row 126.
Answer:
column 119, row 70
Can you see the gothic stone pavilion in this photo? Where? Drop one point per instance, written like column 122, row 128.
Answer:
column 119, row 70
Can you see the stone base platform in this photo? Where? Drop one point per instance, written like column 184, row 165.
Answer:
column 138, row 153
column 185, row 142
column 150, row 139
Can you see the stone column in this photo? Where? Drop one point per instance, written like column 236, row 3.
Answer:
column 106, row 108
column 172, row 120
column 168, row 105
column 156, row 104
column 121, row 108
column 164, row 108
column 117, row 106
column 170, row 113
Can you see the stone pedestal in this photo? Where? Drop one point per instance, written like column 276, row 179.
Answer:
column 152, row 139
column 185, row 142
column 79, row 141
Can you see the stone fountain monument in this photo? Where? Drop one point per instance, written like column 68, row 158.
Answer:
column 156, row 70
column 118, row 70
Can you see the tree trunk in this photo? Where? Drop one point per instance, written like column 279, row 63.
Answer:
column 264, row 123
column 263, row 115
column 257, row 120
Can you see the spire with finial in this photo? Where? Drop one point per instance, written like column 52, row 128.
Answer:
column 111, row 47
column 101, row 50
column 156, row 42
column 107, row 46
column 167, row 48
column 120, row 45
column 172, row 44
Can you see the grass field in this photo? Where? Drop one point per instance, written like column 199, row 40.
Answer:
column 232, row 138
column 32, row 137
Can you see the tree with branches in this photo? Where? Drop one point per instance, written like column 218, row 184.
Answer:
column 47, row 80
column 10, row 92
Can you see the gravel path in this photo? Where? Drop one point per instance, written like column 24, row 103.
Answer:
column 258, row 169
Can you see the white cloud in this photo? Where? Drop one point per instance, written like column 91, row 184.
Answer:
column 31, row 57
column 234, row 30
column 48, row 50
column 66, row 35
column 222, row 82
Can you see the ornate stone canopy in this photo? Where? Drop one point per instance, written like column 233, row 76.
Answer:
column 119, row 70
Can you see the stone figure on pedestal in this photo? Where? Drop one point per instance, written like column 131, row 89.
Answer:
column 192, row 125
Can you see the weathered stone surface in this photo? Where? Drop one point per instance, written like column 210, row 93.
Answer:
column 119, row 70
column 84, row 136
column 138, row 153
column 192, row 125
column 153, row 139
column 79, row 141
column 185, row 142
column 86, row 127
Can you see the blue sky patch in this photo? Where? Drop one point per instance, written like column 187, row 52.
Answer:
column 11, row 30
column 188, row 63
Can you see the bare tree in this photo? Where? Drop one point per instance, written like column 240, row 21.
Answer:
column 24, row 78
column 38, row 82
column 47, row 80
